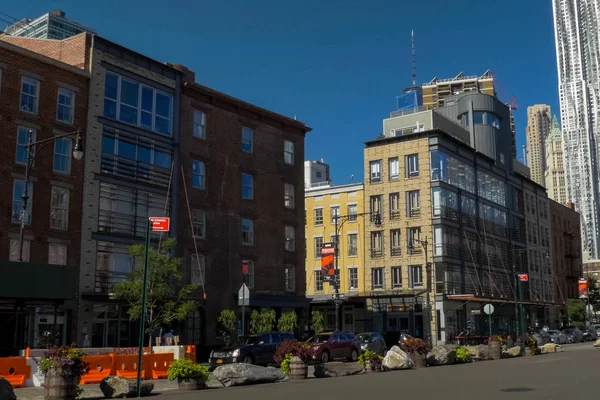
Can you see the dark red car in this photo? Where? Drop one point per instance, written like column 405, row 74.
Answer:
column 328, row 346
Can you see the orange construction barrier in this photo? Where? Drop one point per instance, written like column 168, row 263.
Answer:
column 159, row 364
column 100, row 368
column 126, row 366
column 190, row 353
column 15, row 370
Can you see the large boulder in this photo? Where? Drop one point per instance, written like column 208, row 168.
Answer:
column 512, row 352
column 116, row 387
column 479, row 353
column 441, row 355
column 597, row 344
column 550, row 348
column 6, row 390
column 246, row 374
column 335, row 369
column 397, row 359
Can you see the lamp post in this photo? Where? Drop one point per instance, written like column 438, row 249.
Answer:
column 376, row 218
column 425, row 243
column 519, row 293
column 32, row 149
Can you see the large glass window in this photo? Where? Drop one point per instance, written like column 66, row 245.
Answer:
column 113, row 264
column 247, row 232
column 247, row 187
column 491, row 188
column 59, row 208
column 247, row 140
column 62, row 156
column 288, row 152
column 452, row 170
column 30, row 95
column 375, row 168
column 443, row 201
column 394, row 168
column 412, row 166
column 377, row 278
column 131, row 102
column 65, row 106
column 199, row 124
column 198, row 175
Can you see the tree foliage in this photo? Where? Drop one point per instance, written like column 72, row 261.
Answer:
column 226, row 323
column 593, row 293
column 577, row 312
column 165, row 304
column 317, row 321
column 287, row 322
column 263, row 321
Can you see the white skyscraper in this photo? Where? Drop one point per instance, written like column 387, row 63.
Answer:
column 577, row 35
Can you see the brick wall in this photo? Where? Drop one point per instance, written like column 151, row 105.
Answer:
column 566, row 246
column 73, row 51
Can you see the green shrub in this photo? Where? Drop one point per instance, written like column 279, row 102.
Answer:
column 285, row 364
column 368, row 355
column 462, row 355
column 184, row 369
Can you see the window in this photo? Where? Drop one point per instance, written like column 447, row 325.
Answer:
column 396, row 277
column 396, row 247
column 247, row 187
column 353, row 278
column 375, row 203
column 413, row 237
column 290, row 278
column 412, row 166
column 290, row 238
column 30, row 93
column 247, row 232
column 335, row 214
column 17, row 204
column 318, row 281
column 412, row 204
column 375, row 168
column 352, row 212
column 318, row 216
column 198, row 270
column 133, row 103
column 352, row 244
column 62, row 156
column 394, row 205
column 394, row 168
column 376, row 244
column 22, row 141
column 415, row 276
column 288, row 152
column 289, row 198
column 249, row 279
column 65, row 106
column 198, row 174
column 199, row 124
column 199, row 223
column 15, row 250
column 59, row 204
column 57, row 254
column 318, row 246
column 377, row 277
column 247, row 139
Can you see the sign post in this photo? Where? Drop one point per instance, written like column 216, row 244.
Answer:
column 244, row 300
column 154, row 224
column 489, row 310
column 522, row 278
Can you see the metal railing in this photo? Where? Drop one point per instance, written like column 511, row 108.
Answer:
column 105, row 281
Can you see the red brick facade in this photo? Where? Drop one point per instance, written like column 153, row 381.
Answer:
column 72, row 51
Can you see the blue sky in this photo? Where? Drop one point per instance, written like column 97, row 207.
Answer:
column 337, row 64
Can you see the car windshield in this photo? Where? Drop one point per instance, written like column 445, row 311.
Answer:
column 554, row 332
column 246, row 341
column 364, row 337
column 318, row 339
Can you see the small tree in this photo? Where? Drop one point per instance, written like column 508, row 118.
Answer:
column 164, row 304
column 226, row 322
column 317, row 321
column 577, row 312
column 263, row 321
column 287, row 322
column 593, row 298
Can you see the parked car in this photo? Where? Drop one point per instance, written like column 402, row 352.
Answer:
column 557, row 337
column 254, row 349
column 328, row 346
column 542, row 337
column 372, row 341
column 574, row 335
column 589, row 334
column 597, row 328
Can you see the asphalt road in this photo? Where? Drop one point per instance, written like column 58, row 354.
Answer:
column 570, row 374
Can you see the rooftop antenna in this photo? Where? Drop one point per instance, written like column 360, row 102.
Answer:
column 352, row 178
column 414, row 63
column 294, row 117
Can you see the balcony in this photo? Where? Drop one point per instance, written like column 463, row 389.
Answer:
column 376, row 253
column 414, row 212
column 395, row 214
column 44, row 282
column 396, row 251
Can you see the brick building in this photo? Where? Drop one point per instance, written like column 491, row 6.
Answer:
column 48, row 97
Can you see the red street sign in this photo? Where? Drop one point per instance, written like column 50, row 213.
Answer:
column 245, row 267
column 160, row 224
column 523, row 277
column 327, row 251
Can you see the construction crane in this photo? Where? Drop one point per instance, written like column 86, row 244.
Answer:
column 512, row 104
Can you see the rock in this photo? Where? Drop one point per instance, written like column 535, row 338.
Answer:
column 333, row 370
column 397, row 359
column 114, row 387
column 441, row 355
column 512, row 352
column 550, row 348
column 6, row 390
column 479, row 353
column 597, row 344
column 246, row 374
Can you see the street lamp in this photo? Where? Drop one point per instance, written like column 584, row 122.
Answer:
column 425, row 243
column 32, row 149
column 520, row 294
column 376, row 218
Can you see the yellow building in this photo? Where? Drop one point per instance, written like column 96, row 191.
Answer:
column 322, row 204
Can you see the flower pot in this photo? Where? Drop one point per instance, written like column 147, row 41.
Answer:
column 418, row 359
column 191, row 384
column 298, row 368
column 495, row 350
column 60, row 385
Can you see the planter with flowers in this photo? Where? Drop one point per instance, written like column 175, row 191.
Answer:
column 293, row 357
column 417, row 351
column 495, row 346
column 62, row 368
column 188, row 374
column 370, row 361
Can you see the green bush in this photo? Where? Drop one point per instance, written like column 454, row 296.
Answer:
column 368, row 355
column 285, row 364
column 287, row 322
column 184, row 369
column 317, row 322
column 462, row 355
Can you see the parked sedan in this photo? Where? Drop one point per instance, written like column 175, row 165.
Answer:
column 590, row 334
column 574, row 335
column 557, row 337
column 254, row 349
column 372, row 341
column 328, row 346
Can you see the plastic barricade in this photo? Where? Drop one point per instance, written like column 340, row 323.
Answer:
column 100, row 367
column 190, row 353
column 126, row 366
column 15, row 370
column 159, row 364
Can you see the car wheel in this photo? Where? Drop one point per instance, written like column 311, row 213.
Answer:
column 248, row 360
column 353, row 356
column 324, row 357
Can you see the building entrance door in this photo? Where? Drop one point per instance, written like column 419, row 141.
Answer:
column 349, row 319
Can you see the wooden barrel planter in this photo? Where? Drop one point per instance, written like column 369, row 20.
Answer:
column 418, row 359
column 495, row 350
column 298, row 368
column 60, row 386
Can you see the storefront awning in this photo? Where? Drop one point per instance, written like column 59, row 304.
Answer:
column 37, row 282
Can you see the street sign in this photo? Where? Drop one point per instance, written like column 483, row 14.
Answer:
column 523, row 277
column 244, row 296
column 160, row 224
column 328, row 249
column 488, row 309
column 475, row 311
